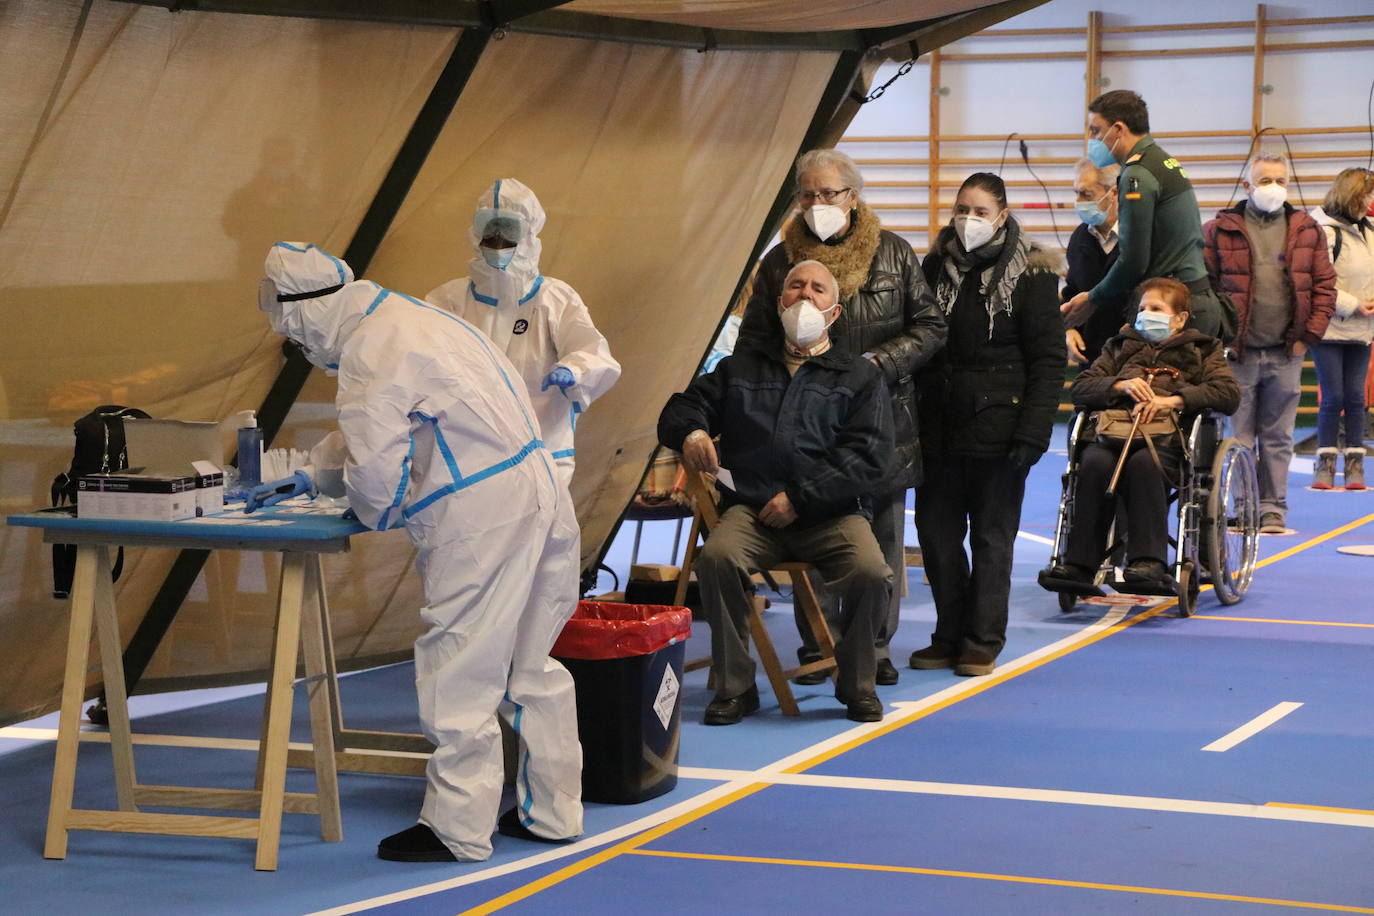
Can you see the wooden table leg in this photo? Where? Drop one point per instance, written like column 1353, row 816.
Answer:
column 277, row 730
column 73, row 694
column 116, row 699
column 320, row 680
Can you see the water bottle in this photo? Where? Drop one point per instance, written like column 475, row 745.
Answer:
column 250, row 450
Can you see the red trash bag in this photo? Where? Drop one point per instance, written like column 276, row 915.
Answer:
column 603, row 629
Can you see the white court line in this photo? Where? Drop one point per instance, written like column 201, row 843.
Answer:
column 750, row 777
column 1057, row 796
column 1039, row 539
column 1253, row 727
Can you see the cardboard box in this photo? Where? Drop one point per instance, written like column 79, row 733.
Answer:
column 654, row 572
column 180, row 448
column 136, row 497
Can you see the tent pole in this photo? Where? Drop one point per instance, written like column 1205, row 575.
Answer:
column 292, row 376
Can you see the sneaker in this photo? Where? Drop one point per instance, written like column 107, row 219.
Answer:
column 865, row 709
column 975, row 663
column 414, row 844
column 1272, row 523
column 931, row 657
column 887, row 673
column 1066, row 577
column 729, row 710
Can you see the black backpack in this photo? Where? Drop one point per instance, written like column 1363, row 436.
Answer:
column 99, row 448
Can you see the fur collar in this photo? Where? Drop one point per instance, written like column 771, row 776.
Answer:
column 850, row 260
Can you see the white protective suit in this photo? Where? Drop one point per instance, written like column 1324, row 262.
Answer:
column 539, row 322
column 441, row 439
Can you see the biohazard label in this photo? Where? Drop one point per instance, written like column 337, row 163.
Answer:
column 667, row 696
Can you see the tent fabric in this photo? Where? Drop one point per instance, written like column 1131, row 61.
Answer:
column 148, row 159
column 775, row 15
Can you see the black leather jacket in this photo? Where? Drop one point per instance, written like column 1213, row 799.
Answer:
column 893, row 317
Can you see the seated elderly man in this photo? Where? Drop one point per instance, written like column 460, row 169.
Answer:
column 805, row 430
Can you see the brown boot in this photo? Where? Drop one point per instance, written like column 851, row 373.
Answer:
column 1353, row 476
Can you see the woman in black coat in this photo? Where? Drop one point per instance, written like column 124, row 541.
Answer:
column 889, row 318
column 986, row 405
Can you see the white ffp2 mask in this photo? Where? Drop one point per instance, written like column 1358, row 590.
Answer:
column 803, row 323
column 1268, row 198
column 974, row 231
column 825, row 220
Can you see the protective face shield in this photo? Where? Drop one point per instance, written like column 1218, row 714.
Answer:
column 299, row 277
column 1269, row 198
column 1154, row 326
column 825, row 220
column 1091, row 212
column 803, row 323
column 974, row 231
column 492, row 222
column 499, row 258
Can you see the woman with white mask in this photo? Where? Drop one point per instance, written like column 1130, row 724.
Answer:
column 986, row 406
column 888, row 316
column 539, row 322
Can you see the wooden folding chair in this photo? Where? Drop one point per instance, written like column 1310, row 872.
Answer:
column 702, row 491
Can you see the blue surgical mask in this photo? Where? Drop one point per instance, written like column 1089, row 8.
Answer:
column 499, row 258
column 1153, row 326
column 1091, row 212
column 1100, row 153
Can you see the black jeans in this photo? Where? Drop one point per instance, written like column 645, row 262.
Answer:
column 1142, row 491
column 980, row 498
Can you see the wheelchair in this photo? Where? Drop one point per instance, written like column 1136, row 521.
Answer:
column 1215, row 536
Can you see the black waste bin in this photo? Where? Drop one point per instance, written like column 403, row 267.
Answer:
column 626, row 662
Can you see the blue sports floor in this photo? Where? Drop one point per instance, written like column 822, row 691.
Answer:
column 1105, row 767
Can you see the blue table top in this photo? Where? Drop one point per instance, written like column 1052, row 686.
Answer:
column 293, row 520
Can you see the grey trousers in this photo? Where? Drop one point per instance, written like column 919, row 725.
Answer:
column 847, row 559
column 889, row 528
column 1270, row 387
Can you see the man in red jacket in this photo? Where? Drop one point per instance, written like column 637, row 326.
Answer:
column 1272, row 261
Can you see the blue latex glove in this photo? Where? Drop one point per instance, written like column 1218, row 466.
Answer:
column 561, row 377
column 269, row 494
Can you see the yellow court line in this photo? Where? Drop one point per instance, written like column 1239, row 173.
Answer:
column 1317, row 808
column 1300, row 623
column 1016, row 879
column 612, row 852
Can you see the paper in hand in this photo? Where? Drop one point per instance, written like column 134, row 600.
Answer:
column 724, row 478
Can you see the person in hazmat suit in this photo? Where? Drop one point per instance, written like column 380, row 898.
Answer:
column 440, row 438
column 541, row 323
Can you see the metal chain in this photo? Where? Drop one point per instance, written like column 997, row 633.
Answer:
column 902, row 71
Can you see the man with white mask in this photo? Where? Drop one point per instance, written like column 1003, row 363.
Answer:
column 539, row 322
column 888, row 317
column 1270, row 259
column 440, row 438
column 805, row 429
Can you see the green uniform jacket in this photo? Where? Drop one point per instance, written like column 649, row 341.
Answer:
column 1160, row 230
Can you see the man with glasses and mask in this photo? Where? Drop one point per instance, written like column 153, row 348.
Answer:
column 1158, row 222
column 541, row 323
column 805, row 429
column 1091, row 252
column 888, row 317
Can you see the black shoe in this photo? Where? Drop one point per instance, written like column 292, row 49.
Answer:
column 1147, row 577
column 414, row 844
column 729, row 710
column 886, row 674
column 811, row 679
column 1070, row 579
column 865, row 709
column 510, row 825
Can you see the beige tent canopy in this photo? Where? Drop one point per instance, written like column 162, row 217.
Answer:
column 150, row 154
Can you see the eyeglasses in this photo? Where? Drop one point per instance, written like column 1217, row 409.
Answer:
column 827, row 195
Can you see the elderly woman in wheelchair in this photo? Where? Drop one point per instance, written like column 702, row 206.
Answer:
column 1156, row 394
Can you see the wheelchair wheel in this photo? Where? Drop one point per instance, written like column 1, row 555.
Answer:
column 1187, row 589
column 1231, row 541
column 1067, row 602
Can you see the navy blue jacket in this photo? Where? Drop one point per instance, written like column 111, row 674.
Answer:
column 823, row 435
